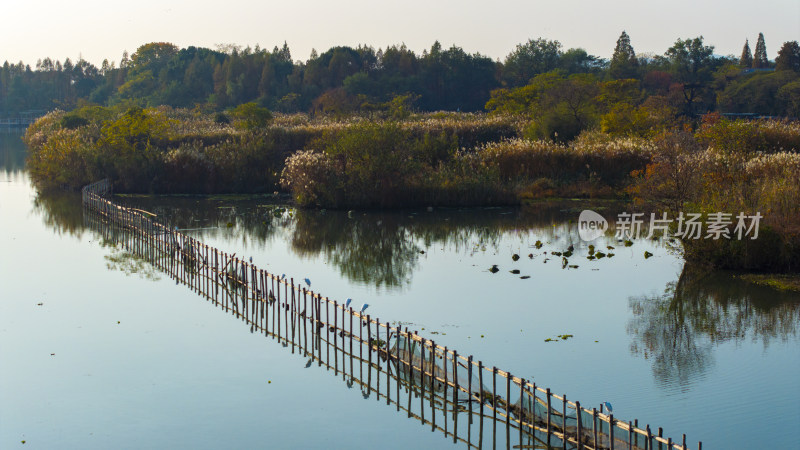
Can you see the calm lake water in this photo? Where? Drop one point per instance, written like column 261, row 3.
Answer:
column 101, row 350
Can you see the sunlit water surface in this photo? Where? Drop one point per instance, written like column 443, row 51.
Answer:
column 99, row 350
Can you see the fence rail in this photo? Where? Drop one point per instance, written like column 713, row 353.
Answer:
column 451, row 383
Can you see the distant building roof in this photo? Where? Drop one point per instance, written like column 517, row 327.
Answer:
column 749, row 71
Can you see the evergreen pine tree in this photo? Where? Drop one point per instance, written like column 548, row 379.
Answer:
column 760, row 60
column 623, row 63
column 747, row 56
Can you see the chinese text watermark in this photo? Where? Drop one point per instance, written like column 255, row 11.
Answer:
column 717, row 225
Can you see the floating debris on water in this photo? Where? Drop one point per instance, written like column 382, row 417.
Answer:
column 647, row 254
column 562, row 337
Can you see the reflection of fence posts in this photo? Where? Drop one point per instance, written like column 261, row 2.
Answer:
column 254, row 296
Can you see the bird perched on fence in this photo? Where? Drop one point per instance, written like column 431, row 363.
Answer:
column 347, row 303
column 608, row 407
column 364, row 308
column 308, row 282
column 251, row 260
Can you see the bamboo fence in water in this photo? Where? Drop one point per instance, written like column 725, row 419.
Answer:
column 450, row 387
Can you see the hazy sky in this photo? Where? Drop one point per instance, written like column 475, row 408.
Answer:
column 94, row 29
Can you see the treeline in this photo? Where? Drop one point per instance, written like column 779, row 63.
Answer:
column 688, row 79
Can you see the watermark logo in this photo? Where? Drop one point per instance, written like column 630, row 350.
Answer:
column 591, row 225
column 716, row 225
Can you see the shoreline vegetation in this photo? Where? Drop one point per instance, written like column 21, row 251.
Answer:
column 780, row 282
column 440, row 159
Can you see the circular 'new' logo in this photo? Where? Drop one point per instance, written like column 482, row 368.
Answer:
column 591, row 225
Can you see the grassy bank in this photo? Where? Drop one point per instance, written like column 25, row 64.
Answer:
column 165, row 150
column 781, row 282
column 439, row 159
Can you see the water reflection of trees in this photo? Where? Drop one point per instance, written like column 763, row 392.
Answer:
column 378, row 251
column 384, row 248
column 677, row 329
column 12, row 151
column 61, row 211
column 378, row 248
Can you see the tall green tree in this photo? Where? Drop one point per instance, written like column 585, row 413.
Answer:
column 623, row 63
column 152, row 56
column 746, row 60
column 530, row 59
column 788, row 57
column 577, row 60
column 692, row 65
column 760, row 60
